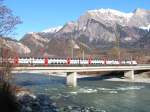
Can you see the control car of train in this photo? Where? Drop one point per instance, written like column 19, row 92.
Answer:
column 68, row 61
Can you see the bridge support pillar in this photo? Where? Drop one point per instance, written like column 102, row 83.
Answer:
column 129, row 74
column 72, row 79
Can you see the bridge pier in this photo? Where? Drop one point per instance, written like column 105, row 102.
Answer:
column 129, row 74
column 72, row 79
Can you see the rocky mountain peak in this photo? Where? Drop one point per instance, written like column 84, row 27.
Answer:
column 35, row 36
column 69, row 27
column 140, row 11
column 107, row 16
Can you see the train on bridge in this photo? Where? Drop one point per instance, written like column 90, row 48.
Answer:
column 67, row 61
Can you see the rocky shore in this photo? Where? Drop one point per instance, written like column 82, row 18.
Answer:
column 42, row 103
column 39, row 103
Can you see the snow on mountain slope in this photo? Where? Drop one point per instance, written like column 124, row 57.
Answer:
column 108, row 17
column 52, row 30
column 111, row 12
column 146, row 27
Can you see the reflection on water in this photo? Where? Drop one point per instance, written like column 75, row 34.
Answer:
column 103, row 95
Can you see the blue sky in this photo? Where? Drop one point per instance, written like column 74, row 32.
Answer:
column 38, row 15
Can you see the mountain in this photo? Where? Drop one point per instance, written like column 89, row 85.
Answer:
column 36, row 42
column 15, row 46
column 144, row 42
column 110, row 17
column 95, row 31
column 100, row 25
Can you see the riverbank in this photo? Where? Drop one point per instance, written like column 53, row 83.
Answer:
column 143, row 77
column 139, row 77
column 129, row 80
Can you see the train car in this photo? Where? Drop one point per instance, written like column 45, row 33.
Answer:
column 56, row 61
column 67, row 61
column 38, row 61
column 97, row 62
column 75, row 61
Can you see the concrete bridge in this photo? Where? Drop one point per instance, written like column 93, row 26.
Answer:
column 72, row 71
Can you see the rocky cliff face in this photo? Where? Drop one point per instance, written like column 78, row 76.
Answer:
column 100, row 25
column 96, row 29
column 15, row 46
column 36, row 43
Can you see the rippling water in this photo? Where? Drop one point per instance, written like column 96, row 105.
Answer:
column 106, row 96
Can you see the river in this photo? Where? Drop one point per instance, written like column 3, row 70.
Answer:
column 106, row 96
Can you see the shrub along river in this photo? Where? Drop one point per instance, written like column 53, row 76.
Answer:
column 103, row 96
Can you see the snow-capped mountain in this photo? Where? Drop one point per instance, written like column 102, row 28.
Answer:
column 95, row 29
column 100, row 25
column 52, row 30
column 111, row 17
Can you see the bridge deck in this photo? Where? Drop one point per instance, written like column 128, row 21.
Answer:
column 83, row 69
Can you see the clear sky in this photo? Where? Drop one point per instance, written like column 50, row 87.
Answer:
column 38, row 15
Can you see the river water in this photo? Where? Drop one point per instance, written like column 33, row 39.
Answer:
column 106, row 96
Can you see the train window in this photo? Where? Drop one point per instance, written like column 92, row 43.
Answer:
column 56, row 63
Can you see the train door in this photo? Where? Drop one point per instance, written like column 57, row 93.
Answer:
column 105, row 61
column 68, row 60
column 45, row 61
column 79, row 61
column 89, row 60
column 16, row 60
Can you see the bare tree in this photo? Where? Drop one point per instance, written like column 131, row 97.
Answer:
column 7, row 25
column 7, row 20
